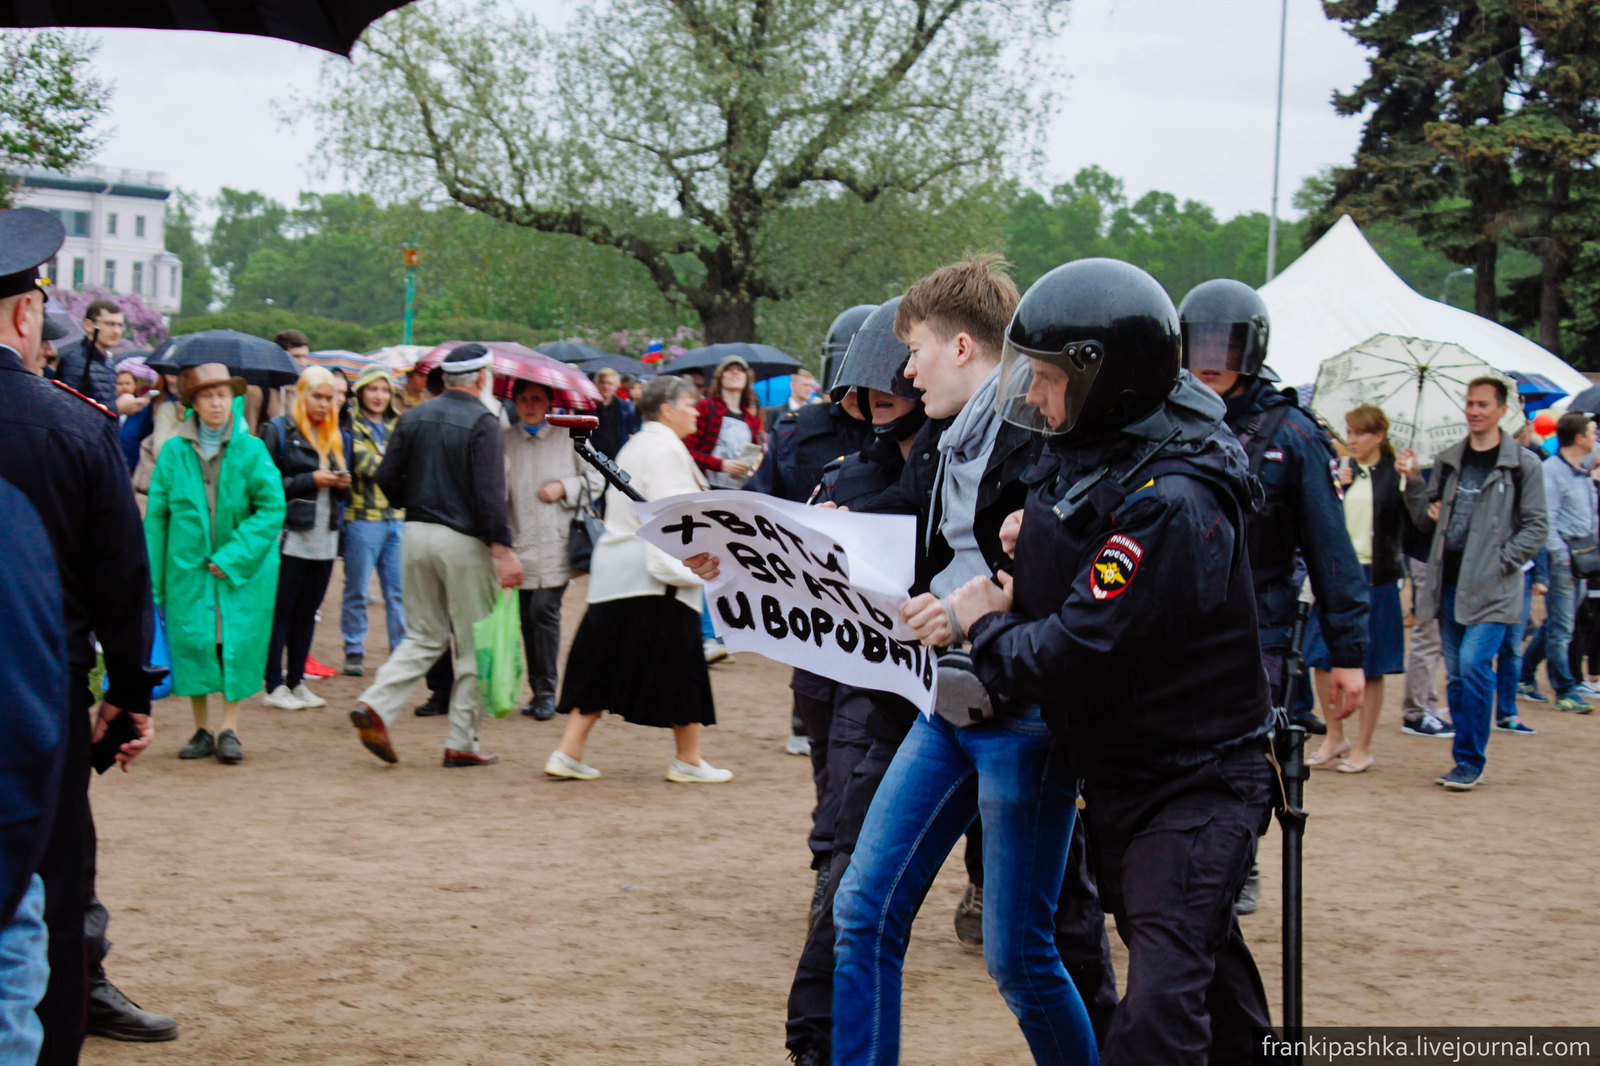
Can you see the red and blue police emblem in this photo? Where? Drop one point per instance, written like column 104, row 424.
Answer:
column 1113, row 568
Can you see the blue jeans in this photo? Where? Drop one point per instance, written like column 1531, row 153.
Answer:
column 24, row 972
column 1469, row 653
column 1561, row 606
column 1508, row 671
column 368, row 544
column 706, row 632
column 940, row 778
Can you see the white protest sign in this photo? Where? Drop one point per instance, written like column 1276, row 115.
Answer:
column 817, row 588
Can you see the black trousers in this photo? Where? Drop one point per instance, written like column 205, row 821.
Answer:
column 301, row 585
column 816, row 718
column 541, row 637
column 1170, row 861
column 442, row 678
column 1080, row 923
column 67, row 869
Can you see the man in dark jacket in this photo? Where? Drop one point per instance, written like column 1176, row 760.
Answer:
column 1131, row 622
column 446, row 466
column 86, row 366
column 61, row 452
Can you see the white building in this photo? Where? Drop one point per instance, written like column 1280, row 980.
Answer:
column 116, row 230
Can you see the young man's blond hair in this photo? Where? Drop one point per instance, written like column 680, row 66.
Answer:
column 974, row 296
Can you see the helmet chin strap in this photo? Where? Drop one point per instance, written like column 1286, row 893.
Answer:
column 901, row 428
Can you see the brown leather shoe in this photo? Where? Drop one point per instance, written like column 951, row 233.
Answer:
column 374, row 734
column 469, row 758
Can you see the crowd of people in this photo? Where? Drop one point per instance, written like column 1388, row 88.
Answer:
column 1094, row 472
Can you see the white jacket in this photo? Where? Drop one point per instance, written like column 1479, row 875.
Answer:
column 623, row 565
column 538, row 529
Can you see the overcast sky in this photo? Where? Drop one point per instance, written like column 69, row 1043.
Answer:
column 1166, row 94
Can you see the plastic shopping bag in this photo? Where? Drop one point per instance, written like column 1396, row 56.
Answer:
column 159, row 656
column 499, row 641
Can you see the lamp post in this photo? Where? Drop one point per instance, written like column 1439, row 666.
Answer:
column 411, row 256
column 1444, row 297
column 1277, row 148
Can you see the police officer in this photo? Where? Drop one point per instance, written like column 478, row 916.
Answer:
column 860, row 742
column 801, row 444
column 60, row 450
column 1225, row 332
column 1130, row 620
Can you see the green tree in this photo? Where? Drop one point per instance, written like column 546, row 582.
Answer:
column 689, row 135
column 49, row 99
column 184, row 241
column 327, row 264
column 246, row 223
column 1433, row 152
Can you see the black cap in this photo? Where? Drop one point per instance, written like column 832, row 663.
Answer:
column 28, row 237
column 476, row 356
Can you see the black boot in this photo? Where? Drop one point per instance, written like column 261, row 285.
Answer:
column 809, row 1053
column 818, row 892
column 1313, row 725
column 115, row 1015
column 541, row 708
column 438, row 704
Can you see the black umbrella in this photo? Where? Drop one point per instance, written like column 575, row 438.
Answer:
column 622, row 364
column 571, row 351
column 1587, row 401
column 765, row 360
column 258, row 361
column 331, row 25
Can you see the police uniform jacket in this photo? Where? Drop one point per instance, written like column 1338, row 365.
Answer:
column 801, row 444
column 62, row 452
column 1303, row 511
column 1137, row 636
column 1000, row 492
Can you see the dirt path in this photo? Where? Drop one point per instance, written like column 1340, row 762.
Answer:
column 313, row 905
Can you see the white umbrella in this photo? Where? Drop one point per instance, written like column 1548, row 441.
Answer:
column 1420, row 385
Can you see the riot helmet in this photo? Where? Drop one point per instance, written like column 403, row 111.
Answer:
column 1225, row 326
column 1094, row 343
column 877, row 360
column 837, row 342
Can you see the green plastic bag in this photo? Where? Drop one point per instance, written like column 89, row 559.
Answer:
column 499, row 641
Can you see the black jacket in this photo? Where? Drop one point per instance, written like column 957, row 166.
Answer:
column 446, row 465
column 298, row 462
column 1391, row 524
column 1000, row 492
column 99, row 382
column 801, row 444
column 1137, row 636
column 1302, row 512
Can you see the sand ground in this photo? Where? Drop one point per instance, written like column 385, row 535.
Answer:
column 313, row 905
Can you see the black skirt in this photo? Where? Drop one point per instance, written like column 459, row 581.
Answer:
column 641, row 659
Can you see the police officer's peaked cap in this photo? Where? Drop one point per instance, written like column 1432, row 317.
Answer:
column 28, row 237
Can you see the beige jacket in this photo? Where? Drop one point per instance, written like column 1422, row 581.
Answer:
column 658, row 466
column 538, row 529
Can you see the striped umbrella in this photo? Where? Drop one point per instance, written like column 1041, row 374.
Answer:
column 569, row 386
column 337, row 358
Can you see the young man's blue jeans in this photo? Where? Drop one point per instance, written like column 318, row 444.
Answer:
column 1554, row 641
column 369, row 545
column 940, row 778
column 1469, row 653
column 24, row 973
column 1508, row 671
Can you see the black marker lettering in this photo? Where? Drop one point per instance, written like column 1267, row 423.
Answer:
column 751, row 560
column 687, row 525
column 838, row 586
column 781, row 568
column 845, row 636
column 877, row 616
column 731, row 522
column 899, row 653
column 772, row 618
column 800, row 623
column 740, row 621
column 874, row 646
column 821, row 624
column 771, row 534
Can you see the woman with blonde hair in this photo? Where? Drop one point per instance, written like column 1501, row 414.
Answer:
column 1375, row 517
column 311, row 454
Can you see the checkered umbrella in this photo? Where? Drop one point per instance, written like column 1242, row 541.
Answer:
column 569, row 387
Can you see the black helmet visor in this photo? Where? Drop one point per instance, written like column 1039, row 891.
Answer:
column 1215, row 345
column 1046, row 391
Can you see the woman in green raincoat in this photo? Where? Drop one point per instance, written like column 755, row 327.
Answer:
column 216, row 508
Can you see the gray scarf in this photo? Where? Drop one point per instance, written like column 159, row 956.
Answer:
column 964, row 450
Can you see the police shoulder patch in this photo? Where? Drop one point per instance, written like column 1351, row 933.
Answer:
column 1114, row 566
column 1273, row 455
column 91, row 401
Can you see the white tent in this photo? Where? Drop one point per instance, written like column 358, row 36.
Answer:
column 1341, row 292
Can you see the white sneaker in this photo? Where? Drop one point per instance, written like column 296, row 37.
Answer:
column 704, row 774
column 560, row 764
column 307, row 697
column 798, row 745
column 283, row 699
column 716, row 651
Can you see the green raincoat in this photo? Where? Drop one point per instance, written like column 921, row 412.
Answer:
column 177, row 527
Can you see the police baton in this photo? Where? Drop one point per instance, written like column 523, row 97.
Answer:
column 1289, row 741
column 580, row 426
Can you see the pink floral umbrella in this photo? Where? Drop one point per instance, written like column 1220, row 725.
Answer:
column 569, row 386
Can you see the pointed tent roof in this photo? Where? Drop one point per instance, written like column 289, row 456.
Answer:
column 1341, row 292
